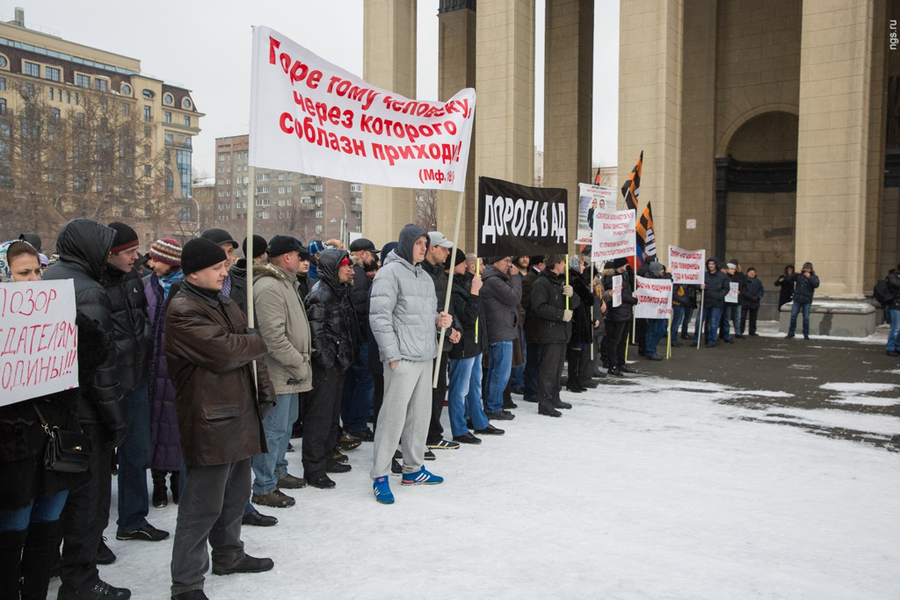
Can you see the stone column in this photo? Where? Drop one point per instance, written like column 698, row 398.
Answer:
column 456, row 71
column 568, row 83
column 651, row 36
column 833, row 146
column 389, row 62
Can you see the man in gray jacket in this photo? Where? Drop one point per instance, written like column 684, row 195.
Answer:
column 501, row 293
column 405, row 325
column 283, row 325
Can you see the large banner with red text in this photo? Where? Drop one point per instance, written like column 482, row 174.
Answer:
column 687, row 266
column 310, row 116
column 654, row 298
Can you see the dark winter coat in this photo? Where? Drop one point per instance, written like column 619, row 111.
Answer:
column 548, row 304
column 530, row 320
column 751, row 292
column 129, row 312
column 359, row 298
column 83, row 246
column 582, row 318
column 210, row 355
column 500, row 294
column 165, row 442
column 804, row 287
column 332, row 320
column 717, row 287
column 238, row 293
column 894, row 283
column 468, row 311
column 786, row 294
column 439, row 277
column 622, row 312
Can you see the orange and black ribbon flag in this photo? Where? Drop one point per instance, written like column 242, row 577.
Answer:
column 632, row 188
column 645, row 237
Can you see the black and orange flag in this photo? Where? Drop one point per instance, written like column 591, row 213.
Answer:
column 645, row 237
column 632, row 188
column 597, row 177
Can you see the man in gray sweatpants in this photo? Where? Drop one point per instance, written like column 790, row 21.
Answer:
column 405, row 324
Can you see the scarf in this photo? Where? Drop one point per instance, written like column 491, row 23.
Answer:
column 166, row 281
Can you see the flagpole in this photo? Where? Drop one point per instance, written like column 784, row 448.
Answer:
column 669, row 338
column 459, row 205
column 567, row 279
column 250, row 315
column 700, row 318
column 592, row 309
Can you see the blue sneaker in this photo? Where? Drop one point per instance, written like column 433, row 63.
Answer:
column 421, row 477
column 382, row 489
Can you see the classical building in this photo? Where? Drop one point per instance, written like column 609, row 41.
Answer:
column 44, row 72
column 306, row 206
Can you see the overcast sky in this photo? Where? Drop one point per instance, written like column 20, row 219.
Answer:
column 205, row 46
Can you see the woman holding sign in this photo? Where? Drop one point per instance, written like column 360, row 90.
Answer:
column 33, row 497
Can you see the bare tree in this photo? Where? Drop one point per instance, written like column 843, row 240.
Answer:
column 426, row 209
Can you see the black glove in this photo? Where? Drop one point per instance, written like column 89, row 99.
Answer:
column 116, row 435
column 253, row 331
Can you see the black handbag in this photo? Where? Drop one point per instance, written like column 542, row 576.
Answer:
column 66, row 451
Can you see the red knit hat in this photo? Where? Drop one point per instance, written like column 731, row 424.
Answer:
column 166, row 251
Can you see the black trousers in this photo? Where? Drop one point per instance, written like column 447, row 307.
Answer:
column 753, row 312
column 614, row 343
column 321, row 419
column 553, row 357
column 84, row 518
column 435, row 430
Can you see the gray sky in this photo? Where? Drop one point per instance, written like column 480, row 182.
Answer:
column 205, row 46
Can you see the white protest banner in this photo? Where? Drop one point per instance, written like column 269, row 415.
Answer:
column 613, row 235
column 654, row 298
column 687, row 266
column 591, row 200
column 38, row 339
column 310, row 116
column 733, row 293
column 617, row 291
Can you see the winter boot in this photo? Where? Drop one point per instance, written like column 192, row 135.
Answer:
column 585, row 366
column 175, row 485
column 41, row 547
column 572, row 377
column 11, row 543
column 160, row 497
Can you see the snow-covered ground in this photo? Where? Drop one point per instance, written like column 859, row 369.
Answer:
column 659, row 491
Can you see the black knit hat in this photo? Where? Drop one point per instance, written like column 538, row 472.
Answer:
column 536, row 259
column 126, row 237
column 259, row 246
column 200, row 253
column 460, row 258
column 219, row 236
column 282, row 244
column 619, row 262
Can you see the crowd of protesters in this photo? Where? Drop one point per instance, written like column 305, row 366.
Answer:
column 348, row 346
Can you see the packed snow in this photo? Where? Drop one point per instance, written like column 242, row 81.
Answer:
column 647, row 488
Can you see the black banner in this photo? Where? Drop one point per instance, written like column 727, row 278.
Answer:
column 517, row 220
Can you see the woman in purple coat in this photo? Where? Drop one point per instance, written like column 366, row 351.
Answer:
column 165, row 453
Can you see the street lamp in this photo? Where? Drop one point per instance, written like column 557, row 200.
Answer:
column 343, row 221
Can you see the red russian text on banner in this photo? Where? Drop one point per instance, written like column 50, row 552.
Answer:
column 311, row 116
column 613, row 235
column 687, row 266
column 38, row 339
column 654, row 298
column 617, row 291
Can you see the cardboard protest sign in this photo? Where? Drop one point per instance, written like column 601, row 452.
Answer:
column 613, row 235
column 517, row 220
column 617, row 291
column 591, row 200
column 687, row 266
column 38, row 339
column 311, row 116
column 654, row 298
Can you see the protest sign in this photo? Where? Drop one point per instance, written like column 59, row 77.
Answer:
column 617, row 291
column 654, row 298
column 517, row 220
column 310, row 116
column 733, row 293
column 613, row 235
column 38, row 339
column 592, row 199
column 687, row 266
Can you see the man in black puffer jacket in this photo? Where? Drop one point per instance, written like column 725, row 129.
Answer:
column 129, row 311
column 715, row 288
column 335, row 338
column 805, row 284
column 83, row 246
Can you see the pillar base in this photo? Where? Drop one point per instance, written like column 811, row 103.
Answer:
column 833, row 316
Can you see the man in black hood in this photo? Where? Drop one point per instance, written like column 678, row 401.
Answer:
column 83, row 246
column 715, row 287
column 335, row 338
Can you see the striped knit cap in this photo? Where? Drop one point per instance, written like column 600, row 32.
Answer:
column 166, row 251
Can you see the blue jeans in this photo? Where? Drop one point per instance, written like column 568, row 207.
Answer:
column 532, row 369
column 731, row 315
column 498, row 373
column 465, row 395
column 893, row 342
column 359, row 388
column 710, row 315
column 43, row 509
column 678, row 313
column 277, row 428
column 134, row 458
column 656, row 330
column 518, row 373
column 796, row 307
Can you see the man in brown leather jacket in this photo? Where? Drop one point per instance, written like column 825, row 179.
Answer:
column 211, row 353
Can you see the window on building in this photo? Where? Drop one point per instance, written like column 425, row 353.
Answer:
column 100, row 84
column 169, row 139
column 28, row 90
column 147, row 171
column 4, row 62
column 183, row 161
column 167, row 117
column 168, row 99
column 55, row 114
column 75, row 97
column 280, row 189
column 222, row 157
column 2, row 84
column 52, row 73
column 319, row 214
column 31, row 69
column 356, row 187
column 2, row 106
column 148, row 113
column 288, row 189
column 82, row 80
column 187, row 121
column 319, row 229
column 170, row 181
column 51, row 94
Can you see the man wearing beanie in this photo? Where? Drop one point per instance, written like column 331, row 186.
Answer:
column 805, row 284
column 255, row 255
column 84, row 246
column 235, row 284
column 210, row 353
column 133, row 346
column 283, row 325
